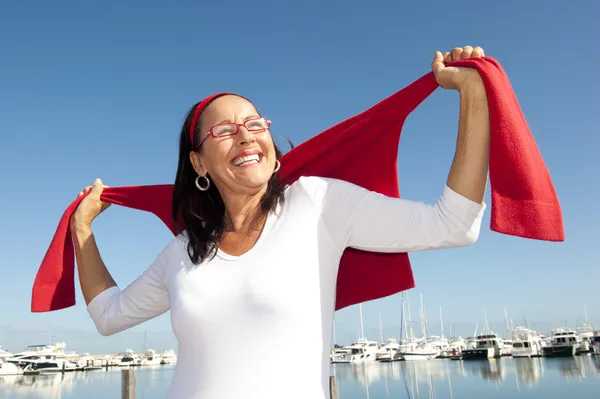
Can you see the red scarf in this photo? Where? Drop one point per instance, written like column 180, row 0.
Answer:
column 524, row 202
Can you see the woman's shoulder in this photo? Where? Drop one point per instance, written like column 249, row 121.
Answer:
column 304, row 186
column 309, row 184
column 316, row 187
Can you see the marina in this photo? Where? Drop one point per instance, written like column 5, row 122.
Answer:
column 517, row 341
column 505, row 377
column 525, row 361
column 419, row 362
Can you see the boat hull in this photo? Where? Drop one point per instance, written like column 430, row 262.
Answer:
column 560, row 351
column 479, row 353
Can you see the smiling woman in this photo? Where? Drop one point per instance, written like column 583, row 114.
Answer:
column 254, row 268
column 229, row 177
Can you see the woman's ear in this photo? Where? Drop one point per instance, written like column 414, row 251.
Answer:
column 196, row 160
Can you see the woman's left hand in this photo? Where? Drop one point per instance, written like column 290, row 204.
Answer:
column 456, row 78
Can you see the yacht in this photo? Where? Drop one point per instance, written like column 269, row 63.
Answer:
column 487, row 346
column 595, row 343
column 507, row 347
column 4, row 353
column 150, row 358
column 169, row 357
column 419, row 350
column 44, row 358
column 585, row 333
column 440, row 343
column 456, row 346
column 526, row 343
column 363, row 351
column 127, row 358
column 341, row 355
column 564, row 342
column 388, row 350
column 7, row 368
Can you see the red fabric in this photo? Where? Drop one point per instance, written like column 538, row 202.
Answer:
column 524, row 202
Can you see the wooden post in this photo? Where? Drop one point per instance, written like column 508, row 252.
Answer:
column 333, row 388
column 127, row 383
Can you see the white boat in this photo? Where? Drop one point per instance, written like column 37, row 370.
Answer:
column 488, row 346
column 585, row 332
column 526, row 343
column 388, row 350
column 150, row 358
column 564, row 342
column 341, row 355
column 7, row 368
column 507, row 347
column 44, row 358
column 363, row 350
column 456, row 346
column 424, row 348
column 169, row 357
column 127, row 359
column 4, row 353
column 86, row 361
column 440, row 343
column 419, row 351
column 595, row 343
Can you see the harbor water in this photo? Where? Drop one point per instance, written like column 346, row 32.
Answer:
column 572, row 377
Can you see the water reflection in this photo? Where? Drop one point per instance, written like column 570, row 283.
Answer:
column 48, row 386
column 60, row 386
column 528, row 372
column 425, row 377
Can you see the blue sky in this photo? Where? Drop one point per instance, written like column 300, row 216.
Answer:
column 99, row 89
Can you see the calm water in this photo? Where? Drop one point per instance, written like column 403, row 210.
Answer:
column 577, row 377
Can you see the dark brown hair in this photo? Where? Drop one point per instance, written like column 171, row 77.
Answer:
column 200, row 215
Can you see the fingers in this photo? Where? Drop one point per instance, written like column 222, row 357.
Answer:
column 460, row 53
column 478, row 52
column 84, row 191
column 466, row 52
column 455, row 54
column 96, row 187
column 438, row 62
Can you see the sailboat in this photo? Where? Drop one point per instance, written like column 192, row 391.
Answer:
column 419, row 349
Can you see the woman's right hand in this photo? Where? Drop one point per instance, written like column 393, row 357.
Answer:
column 90, row 207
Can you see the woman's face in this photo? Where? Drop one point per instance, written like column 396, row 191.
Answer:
column 239, row 163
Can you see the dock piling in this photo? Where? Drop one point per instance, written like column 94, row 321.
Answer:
column 128, row 383
column 333, row 388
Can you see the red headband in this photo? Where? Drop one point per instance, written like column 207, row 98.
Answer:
column 199, row 109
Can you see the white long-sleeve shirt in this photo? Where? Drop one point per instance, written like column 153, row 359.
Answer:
column 259, row 325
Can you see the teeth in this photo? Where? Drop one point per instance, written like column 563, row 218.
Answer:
column 247, row 159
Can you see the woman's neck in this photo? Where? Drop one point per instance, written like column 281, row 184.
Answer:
column 243, row 213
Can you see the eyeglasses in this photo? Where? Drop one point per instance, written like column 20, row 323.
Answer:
column 254, row 125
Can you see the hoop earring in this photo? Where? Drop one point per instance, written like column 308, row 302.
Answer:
column 277, row 166
column 206, row 185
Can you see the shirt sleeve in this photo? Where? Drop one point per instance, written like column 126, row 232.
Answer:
column 359, row 218
column 115, row 310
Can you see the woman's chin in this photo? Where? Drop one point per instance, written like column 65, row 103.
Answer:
column 253, row 181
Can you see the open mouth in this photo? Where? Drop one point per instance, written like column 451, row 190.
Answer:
column 247, row 160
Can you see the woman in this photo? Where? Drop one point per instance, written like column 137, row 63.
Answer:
column 251, row 280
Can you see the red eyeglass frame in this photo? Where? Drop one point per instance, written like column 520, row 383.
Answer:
column 237, row 129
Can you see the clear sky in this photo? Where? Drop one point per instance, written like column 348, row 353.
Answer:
column 99, row 89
